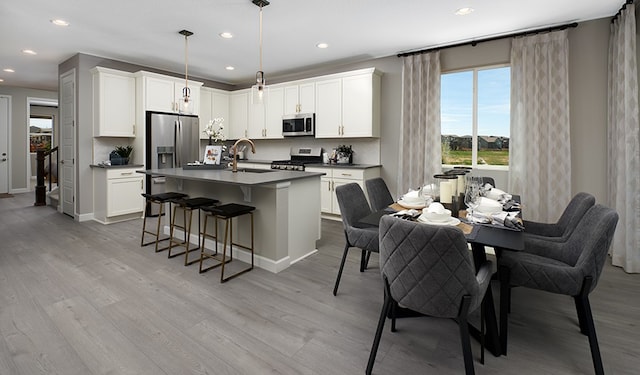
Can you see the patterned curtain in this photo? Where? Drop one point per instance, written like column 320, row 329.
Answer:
column 623, row 140
column 420, row 153
column 539, row 150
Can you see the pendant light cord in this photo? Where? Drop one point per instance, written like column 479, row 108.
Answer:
column 186, row 61
column 261, row 38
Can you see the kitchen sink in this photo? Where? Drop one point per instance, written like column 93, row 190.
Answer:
column 252, row 170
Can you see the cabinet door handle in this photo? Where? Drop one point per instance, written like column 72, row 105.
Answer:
column 125, row 173
column 134, row 129
column 346, row 174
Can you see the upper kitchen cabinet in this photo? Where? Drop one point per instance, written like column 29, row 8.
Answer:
column 300, row 98
column 348, row 105
column 114, row 103
column 213, row 104
column 265, row 120
column 238, row 113
column 164, row 94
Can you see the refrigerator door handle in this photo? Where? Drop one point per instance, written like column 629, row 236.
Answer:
column 178, row 144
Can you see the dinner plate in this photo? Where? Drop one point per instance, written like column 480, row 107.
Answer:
column 452, row 221
column 412, row 205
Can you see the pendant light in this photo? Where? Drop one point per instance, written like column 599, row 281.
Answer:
column 186, row 91
column 259, row 91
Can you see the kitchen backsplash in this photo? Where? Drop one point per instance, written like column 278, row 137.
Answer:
column 366, row 150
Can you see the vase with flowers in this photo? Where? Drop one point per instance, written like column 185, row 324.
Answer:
column 215, row 131
column 344, row 154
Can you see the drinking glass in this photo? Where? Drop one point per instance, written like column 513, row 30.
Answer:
column 472, row 196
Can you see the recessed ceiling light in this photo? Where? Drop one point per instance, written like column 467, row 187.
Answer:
column 229, row 68
column 9, row 70
column 322, row 45
column 59, row 22
column 29, row 52
column 464, row 11
column 1, row 80
column 226, row 35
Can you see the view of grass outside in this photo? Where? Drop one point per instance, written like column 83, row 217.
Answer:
column 489, row 91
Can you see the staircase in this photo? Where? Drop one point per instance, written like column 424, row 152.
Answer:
column 53, row 198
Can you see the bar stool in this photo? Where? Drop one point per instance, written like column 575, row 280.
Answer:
column 226, row 212
column 187, row 205
column 159, row 199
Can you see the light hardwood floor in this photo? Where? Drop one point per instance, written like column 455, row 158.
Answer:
column 85, row 298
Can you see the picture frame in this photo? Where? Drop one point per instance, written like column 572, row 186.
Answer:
column 212, row 154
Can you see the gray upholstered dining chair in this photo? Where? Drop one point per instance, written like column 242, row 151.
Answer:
column 378, row 192
column 353, row 207
column 562, row 229
column 429, row 269
column 571, row 268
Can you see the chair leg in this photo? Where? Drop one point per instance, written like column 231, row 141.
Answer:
column 344, row 258
column 482, row 331
column 364, row 260
column 505, row 302
column 581, row 318
column 394, row 314
column 376, row 341
column 464, row 335
column 587, row 318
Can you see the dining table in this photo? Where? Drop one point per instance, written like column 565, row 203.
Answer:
column 479, row 236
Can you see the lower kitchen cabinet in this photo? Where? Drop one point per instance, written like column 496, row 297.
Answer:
column 117, row 194
column 336, row 176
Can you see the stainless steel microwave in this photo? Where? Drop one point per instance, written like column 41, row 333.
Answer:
column 299, row 124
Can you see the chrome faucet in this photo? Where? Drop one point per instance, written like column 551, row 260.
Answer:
column 235, row 152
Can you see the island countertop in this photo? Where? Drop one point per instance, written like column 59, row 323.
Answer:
column 225, row 176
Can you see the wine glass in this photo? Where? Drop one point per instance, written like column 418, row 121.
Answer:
column 472, row 196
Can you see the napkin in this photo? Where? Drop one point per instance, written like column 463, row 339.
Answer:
column 508, row 220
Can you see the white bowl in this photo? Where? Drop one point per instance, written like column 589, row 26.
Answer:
column 488, row 206
column 438, row 217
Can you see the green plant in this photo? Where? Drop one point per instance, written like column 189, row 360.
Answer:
column 124, row 151
column 344, row 149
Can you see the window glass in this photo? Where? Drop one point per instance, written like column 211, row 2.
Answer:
column 456, row 117
column 493, row 116
column 475, row 117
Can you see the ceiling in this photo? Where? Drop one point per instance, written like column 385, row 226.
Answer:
column 145, row 32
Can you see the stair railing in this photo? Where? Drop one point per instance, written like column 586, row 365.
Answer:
column 41, row 189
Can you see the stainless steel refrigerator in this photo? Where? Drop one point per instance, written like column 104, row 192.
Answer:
column 171, row 141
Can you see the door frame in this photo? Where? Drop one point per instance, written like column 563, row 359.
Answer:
column 45, row 102
column 61, row 170
column 8, row 138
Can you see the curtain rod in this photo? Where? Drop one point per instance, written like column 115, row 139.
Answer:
column 624, row 6
column 474, row 42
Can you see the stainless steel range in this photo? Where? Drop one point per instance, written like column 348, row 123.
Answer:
column 299, row 157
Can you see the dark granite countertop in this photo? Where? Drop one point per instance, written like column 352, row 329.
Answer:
column 225, row 176
column 116, row 166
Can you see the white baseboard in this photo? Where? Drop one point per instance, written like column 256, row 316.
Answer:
column 19, row 191
column 84, row 217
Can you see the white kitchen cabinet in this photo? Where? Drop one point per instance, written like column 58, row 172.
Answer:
column 337, row 176
column 265, row 120
column 213, row 104
column 117, row 194
column 238, row 114
column 300, row 98
column 164, row 94
column 114, row 103
column 348, row 106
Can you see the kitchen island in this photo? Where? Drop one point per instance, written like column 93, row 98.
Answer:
column 287, row 216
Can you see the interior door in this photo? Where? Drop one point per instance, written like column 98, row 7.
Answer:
column 67, row 142
column 4, row 144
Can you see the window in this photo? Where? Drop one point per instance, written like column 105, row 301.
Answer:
column 40, row 132
column 475, row 117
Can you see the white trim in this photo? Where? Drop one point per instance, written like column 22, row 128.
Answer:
column 83, row 217
column 9, row 122
column 19, row 191
column 41, row 102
